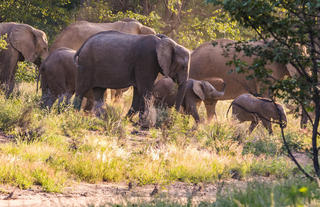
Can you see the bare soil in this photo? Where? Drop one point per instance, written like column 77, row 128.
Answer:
column 83, row 194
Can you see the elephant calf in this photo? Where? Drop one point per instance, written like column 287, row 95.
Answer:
column 165, row 92
column 247, row 107
column 57, row 74
column 58, row 79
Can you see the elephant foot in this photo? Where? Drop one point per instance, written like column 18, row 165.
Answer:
column 77, row 103
column 144, row 128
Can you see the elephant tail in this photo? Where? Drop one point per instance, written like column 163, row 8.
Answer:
column 38, row 78
column 229, row 109
column 42, row 78
column 76, row 57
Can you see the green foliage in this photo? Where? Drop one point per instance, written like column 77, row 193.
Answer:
column 49, row 16
column 289, row 33
column 262, row 146
column 26, row 72
column 3, row 43
column 288, row 193
column 289, row 39
column 190, row 23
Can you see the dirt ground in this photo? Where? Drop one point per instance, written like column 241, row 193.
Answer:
column 83, row 194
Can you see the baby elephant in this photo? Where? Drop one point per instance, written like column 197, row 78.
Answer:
column 247, row 107
column 165, row 92
column 58, row 79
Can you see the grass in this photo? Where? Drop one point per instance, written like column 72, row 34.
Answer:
column 51, row 149
column 296, row 192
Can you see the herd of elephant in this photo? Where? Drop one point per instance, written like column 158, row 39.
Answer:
column 87, row 58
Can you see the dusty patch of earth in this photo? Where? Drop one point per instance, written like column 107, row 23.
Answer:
column 83, row 194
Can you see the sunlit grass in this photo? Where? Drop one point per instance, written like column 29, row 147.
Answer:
column 51, row 147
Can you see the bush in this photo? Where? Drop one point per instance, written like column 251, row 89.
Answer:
column 26, row 72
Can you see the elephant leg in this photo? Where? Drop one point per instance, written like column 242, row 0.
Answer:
column 50, row 101
column 267, row 125
column 90, row 101
column 10, row 87
column 211, row 109
column 194, row 112
column 77, row 102
column 253, row 125
column 68, row 97
column 98, row 94
column 116, row 94
column 9, row 70
column 134, row 105
column 304, row 119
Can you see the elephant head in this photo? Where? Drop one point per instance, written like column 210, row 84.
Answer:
column 174, row 61
column 205, row 91
column 282, row 117
column 30, row 42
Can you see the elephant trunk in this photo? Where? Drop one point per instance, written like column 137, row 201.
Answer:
column 180, row 95
column 284, row 121
column 181, row 79
column 217, row 93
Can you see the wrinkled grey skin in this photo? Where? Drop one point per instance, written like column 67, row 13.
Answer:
column 24, row 43
column 208, row 61
column 58, row 78
column 77, row 33
column 165, row 92
column 117, row 60
column 247, row 107
column 57, row 74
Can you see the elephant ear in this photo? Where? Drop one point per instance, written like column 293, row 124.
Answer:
column 164, row 50
column 23, row 39
column 146, row 30
column 198, row 89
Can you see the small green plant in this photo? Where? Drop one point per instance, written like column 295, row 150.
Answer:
column 262, row 146
column 26, row 72
column 3, row 43
column 288, row 193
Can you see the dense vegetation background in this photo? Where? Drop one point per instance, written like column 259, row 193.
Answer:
column 189, row 22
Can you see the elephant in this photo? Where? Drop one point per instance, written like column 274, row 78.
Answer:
column 247, row 107
column 208, row 61
column 58, row 78
column 24, row 43
column 113, row 59
column 165, row 93
column 58, row 74
column 77, row 33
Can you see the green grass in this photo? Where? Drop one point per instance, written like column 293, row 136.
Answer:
column 51, row 148
column 297, row 192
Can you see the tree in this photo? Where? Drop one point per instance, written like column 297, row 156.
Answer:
column 189, row 22
column 49, row 16
column 290, row 29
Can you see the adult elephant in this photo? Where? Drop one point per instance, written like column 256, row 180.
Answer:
column 77, row 33
column 117, row 60
column 208, row 61
column 24, row 43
